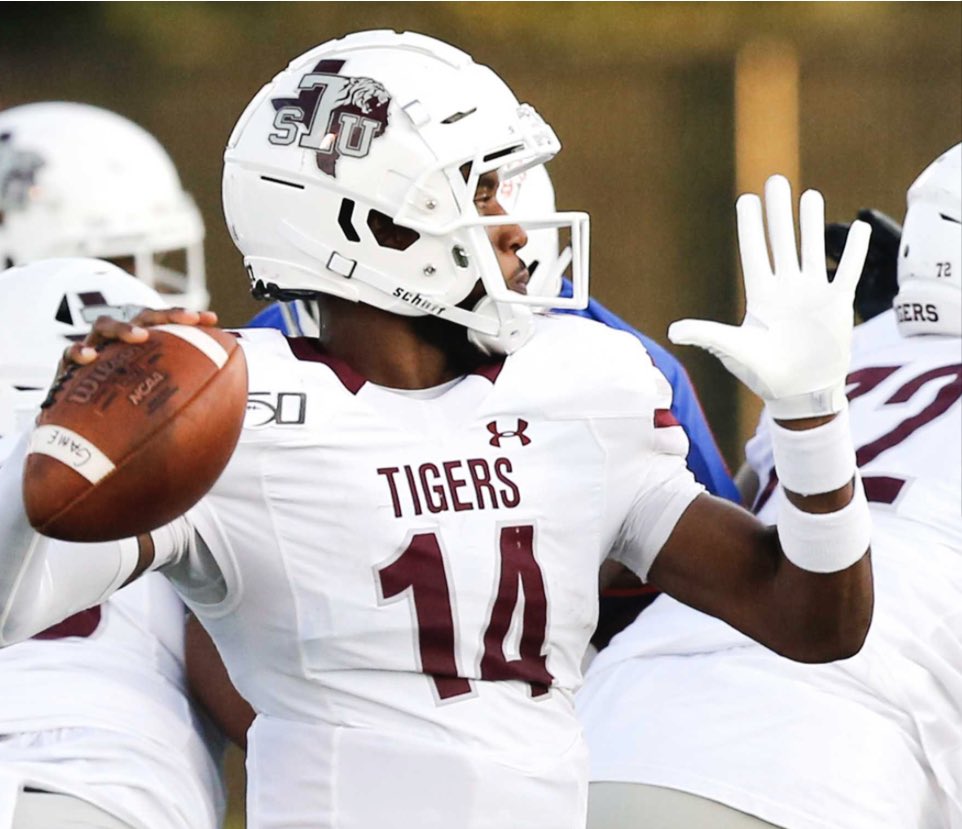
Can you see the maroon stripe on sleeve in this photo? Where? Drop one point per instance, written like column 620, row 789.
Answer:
column 881, row 489
column 664, row 417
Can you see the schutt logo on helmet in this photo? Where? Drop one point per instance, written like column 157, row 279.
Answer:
column 333, row 115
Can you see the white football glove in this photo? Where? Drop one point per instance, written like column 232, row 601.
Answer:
column 793, row 347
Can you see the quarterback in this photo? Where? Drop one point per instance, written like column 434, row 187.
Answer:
column 400, row 563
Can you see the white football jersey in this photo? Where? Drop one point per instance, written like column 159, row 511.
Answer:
column 412, row 576
column 872, row 742
column 97, row 706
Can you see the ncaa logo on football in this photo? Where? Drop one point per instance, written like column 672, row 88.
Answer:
column 335, row 115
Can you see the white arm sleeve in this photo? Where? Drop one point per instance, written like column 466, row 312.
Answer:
column 43, row 581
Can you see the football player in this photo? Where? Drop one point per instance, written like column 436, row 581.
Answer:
column 690, row 723
column 95, row 724
column 531, row 192
column 399, row 564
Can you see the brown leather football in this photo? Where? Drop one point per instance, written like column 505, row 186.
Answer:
column 131, row 441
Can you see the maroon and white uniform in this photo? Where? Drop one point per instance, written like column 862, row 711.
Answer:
column 873, row 742
column 410, row 578
column 97, row 707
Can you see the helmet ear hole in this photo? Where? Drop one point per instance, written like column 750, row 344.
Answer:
column 388, row 234
column 344, row 216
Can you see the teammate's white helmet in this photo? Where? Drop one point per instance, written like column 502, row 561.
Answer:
column 365, row 138
column 929, row 300
column 47, row 305
column 76, row 180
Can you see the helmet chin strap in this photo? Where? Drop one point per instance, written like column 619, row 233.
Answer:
column 515, row 326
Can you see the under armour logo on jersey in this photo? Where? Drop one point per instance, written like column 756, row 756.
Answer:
column 518, row 433
column 334, row 115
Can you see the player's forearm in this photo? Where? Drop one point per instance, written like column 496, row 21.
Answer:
column 20, row 547
column 819, row 617
column 823, row 532
column 43, row 581
column 721, row 560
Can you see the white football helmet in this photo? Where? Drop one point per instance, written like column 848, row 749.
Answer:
column 76, row 180
column 929, row 300
column 46, row 306
column 385, row 130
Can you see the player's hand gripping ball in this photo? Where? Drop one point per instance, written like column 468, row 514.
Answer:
column 129, row 442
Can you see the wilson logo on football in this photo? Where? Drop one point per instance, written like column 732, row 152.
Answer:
column 333, row 114
column 518, row 433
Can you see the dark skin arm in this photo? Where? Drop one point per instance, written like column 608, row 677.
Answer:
column 211, row 687
column 723, row 561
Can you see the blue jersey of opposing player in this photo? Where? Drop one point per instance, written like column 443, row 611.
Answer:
column 704, row 458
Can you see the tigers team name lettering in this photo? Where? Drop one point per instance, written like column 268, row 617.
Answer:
column 456, row 485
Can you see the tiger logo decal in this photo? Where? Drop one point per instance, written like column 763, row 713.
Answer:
column 334, row 115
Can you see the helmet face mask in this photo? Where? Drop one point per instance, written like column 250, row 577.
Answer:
column 930, row 253
column 110, row 192
column 409, row 126
column 547, row 255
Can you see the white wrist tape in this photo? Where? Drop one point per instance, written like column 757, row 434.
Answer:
column 812, row 461
column 171, row 542
column 828, row 542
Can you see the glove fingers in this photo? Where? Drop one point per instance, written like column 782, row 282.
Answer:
column 716, row 337
column 853, row 257
column 756, row 269
column 781, row 224
column 811, row 215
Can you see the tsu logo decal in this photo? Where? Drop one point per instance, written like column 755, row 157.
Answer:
column 18, row 169
column 334, row 115
column 518, row 433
